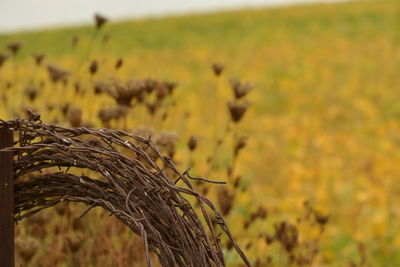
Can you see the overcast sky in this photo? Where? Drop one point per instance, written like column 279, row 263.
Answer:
column 34, row 14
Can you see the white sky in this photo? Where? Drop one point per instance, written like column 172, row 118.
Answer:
column 34, row 14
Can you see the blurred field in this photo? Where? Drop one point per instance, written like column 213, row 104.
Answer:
column 323, row 126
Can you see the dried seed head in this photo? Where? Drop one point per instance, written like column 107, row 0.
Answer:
column 287, row 235
column 269, row 239
column 78, row 226
column 38, row 58
column 62, row 209
column 152, row 108
column 237, row 110
column 166, row 143
column 123, row 94
column 170, row 86
column 74, row 116
column 225, row 200
column 137, row 89
column 49, row 107
column 150, row 85
column 217, row 68
column 78, row 88
column 106, row 115
column 14, row 47
column 100, row 20
column 3, row 58
column 37, row 225
column 119, row 63
column 161, row 91
column 32, row 115
column 321, row 219
column 237, row 181
column 240, row 89
column 240, row 143
column 87, row 124
column 204, row 190
column 229, row 171
column 75, row 242
column 93, row 67
column 192, row 143
column 248, row 246
column 144, row 132
column 262, row 212
column 229, row 244
column 164, row 116
column 101, row 87
column 26, row 248
column 64, row 109
column 31, row 92
column 57, row 74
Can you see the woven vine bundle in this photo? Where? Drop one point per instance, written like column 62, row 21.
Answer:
column 125, row 179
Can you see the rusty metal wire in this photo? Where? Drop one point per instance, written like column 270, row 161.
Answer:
column 125, row 179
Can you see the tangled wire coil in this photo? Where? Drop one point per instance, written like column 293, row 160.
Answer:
column 129, row 184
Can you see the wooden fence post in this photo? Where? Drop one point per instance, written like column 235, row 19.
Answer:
column 6, row 200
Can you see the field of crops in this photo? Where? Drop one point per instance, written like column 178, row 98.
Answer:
column 296, row 108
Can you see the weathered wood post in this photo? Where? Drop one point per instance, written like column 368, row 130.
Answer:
column 6, row 200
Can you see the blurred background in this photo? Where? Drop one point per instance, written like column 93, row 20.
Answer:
column 21, row 14
column 294, row 103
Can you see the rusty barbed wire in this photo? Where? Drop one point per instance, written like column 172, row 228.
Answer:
column 125, row 179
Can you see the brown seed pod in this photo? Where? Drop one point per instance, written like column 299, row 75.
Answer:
column 119, row 63
column 114, row 113
column 3, row 58
column 57, row 74
column 161, row 91
column 152, row 108
column 123, row 93
column 237, row 110
column 269, row 239
column 64, row 109
column 78, row 88
column 75, row 241
column 321, row 219
column 240, row 89
column 150, row 85
column 26, row 248
column 49, row 107
column 225, row 200
column 192, row 143
column 260, row 213
column 166, row 142
column 217, row 68
column 170, row 86
column 74, row 116
column 38, row 57
column 102, row 87
column 14, row 47
column 93, row 67
column 287, row 235
column 237, row 181
column 240, row 144
column 32, row 115
column 100, row 20
column 31, row 92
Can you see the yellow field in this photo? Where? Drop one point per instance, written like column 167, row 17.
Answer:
column 323, row 126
